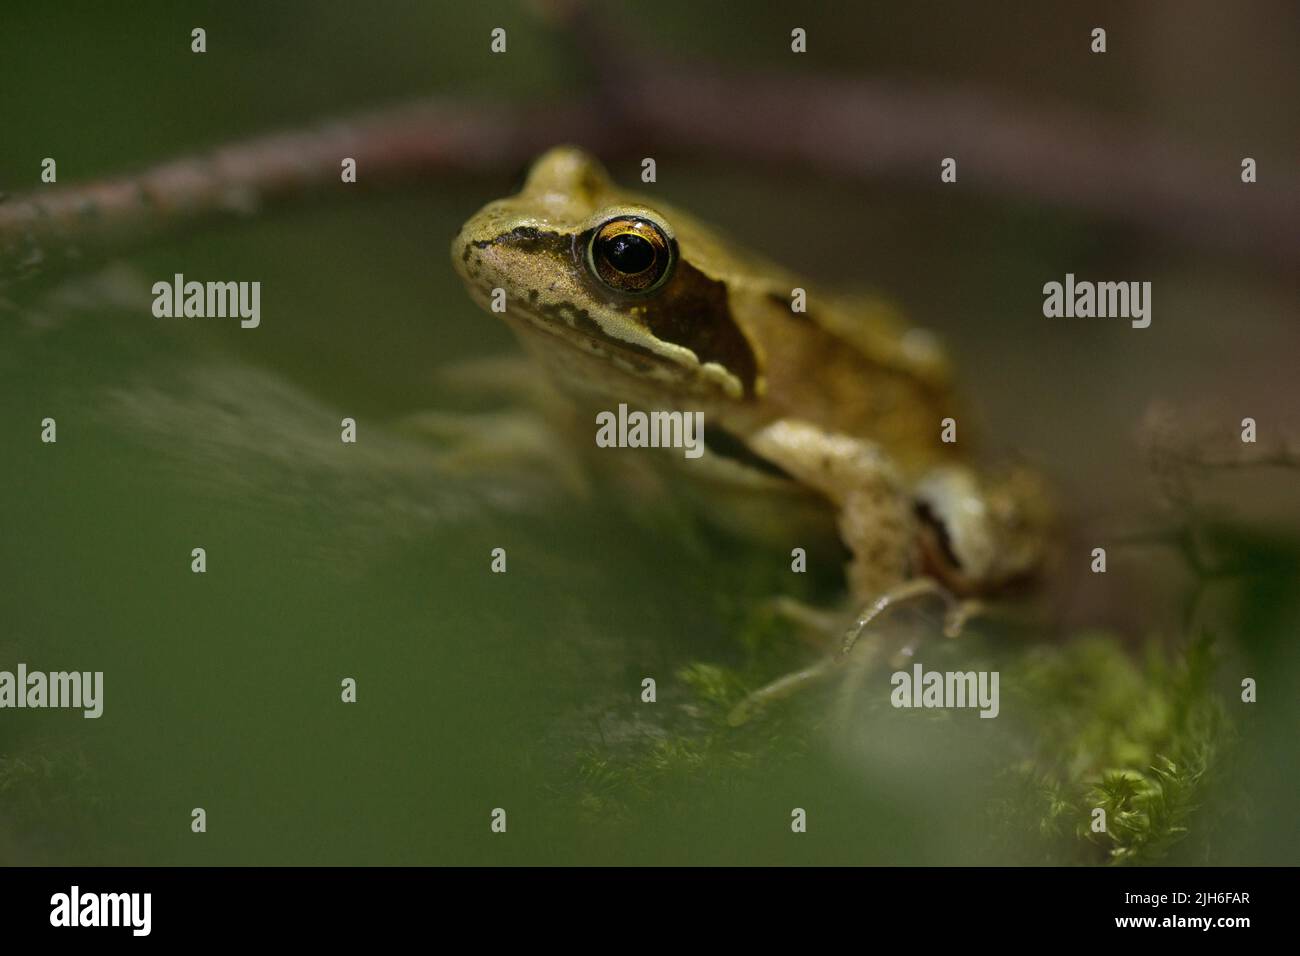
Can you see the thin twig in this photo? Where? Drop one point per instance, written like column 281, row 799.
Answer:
column 854, row 129
column 70, row 226
column 873, row 129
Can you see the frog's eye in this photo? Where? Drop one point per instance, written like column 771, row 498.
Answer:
column 631, row 254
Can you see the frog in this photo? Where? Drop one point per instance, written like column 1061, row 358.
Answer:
column 813, row 402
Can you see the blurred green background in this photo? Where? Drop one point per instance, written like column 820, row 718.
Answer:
column 521, row 690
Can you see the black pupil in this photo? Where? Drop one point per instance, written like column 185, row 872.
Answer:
column 629, row 253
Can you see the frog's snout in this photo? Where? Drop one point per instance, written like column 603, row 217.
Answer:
column 474, row 261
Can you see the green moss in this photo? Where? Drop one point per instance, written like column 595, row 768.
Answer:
column 1135, row 735
column 1138, row 739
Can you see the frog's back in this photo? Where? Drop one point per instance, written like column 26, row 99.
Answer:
column 850, row 367
column 848, row 363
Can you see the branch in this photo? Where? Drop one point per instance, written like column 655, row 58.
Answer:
column 855, row 129
column 872, row 128
column 68, row 227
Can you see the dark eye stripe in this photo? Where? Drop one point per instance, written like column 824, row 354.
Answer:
column 694, row 311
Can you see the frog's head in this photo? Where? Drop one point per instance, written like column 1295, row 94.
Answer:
column 611, row 290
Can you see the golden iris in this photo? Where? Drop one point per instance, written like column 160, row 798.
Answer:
column 631, row 254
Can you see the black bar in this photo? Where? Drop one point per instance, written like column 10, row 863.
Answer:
column 331, row 905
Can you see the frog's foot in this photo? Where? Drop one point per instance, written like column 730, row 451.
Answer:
column 780, row 689
column 495, row 442
column 958, row 613
column 954, row 625
column 816, row 623
column 819, row 627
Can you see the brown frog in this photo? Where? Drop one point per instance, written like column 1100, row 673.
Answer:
column 626, row 299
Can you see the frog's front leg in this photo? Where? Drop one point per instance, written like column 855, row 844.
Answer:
column 876, row 522
column 875, row 518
